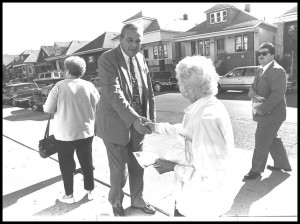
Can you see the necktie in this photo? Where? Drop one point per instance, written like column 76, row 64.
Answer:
column 136, row 100
column 261, row 72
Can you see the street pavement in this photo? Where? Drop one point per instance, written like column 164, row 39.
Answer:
column 31, row 184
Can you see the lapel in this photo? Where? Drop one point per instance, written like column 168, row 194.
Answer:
column 124, row 69
column 268, row 70
column 142, row 69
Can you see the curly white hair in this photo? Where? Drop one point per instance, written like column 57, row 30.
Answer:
column 197, row 77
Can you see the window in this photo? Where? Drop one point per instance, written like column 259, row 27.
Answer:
column 30, row 70
column 146, row 53
column 160, row 51
column 57, row 51
column 250, row 72
column 206, row 48
column 165, row 50
column 238, row 43
column 56, row 74
column 193, row 46
column 220, row 46
column 200, row 47
column 48, row 75
column 23, row 69
column 245, row 42
column 218, row 17
column 155, row 52
column 241, row 43
column 212, row 18
column 91, row 59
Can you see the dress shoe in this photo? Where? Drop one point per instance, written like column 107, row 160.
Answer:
column 277, row 168
column 251, row 175
column 148, row 209
column 118, row 211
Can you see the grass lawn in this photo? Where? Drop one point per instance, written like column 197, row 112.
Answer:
column 244, row 130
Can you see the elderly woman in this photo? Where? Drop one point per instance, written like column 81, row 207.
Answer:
column 73, row 102
column 207, row 136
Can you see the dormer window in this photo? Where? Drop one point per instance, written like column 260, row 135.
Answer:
column 218, row 17
column 57, row 51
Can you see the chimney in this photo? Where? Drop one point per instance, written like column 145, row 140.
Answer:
column 247, row 7
column 185, row 17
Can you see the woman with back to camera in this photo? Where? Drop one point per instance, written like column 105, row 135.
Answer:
column 207, row 136
column 73, row 102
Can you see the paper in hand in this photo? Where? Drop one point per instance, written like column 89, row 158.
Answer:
column 146, row 159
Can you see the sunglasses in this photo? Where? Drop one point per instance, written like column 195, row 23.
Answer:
column 264, row 53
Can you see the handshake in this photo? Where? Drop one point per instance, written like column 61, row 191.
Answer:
column 144, row 126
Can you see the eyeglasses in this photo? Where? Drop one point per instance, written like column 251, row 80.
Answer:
column 263, row 53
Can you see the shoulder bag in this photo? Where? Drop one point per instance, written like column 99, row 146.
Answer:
column 47, row 146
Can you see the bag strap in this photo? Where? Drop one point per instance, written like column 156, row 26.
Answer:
column 47, row 128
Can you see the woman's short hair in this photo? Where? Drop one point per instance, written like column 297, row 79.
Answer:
column 197, row 76
column 76, row 66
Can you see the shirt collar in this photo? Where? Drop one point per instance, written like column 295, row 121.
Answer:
column 197, row 104
column 266, row 66
column 126, row 57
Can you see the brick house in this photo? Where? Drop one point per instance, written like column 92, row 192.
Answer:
column 287, row 39
column 93, row 50
column 42, row 65
column 7, row 62
column 23, row 68
column 62, row 50
column 157, row 45
column 229, row 36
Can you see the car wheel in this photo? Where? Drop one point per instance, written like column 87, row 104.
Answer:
column 33, row 106
column 13, row 103
column 157, row 87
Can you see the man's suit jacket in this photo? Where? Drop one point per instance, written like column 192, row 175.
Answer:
column 115, row 115
column 272, row 86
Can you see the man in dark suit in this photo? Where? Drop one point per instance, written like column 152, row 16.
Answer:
column 269, row 111
column 126, row 102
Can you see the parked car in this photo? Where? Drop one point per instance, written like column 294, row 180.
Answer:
column 47, row 78
column 241, row 78
column 17, row 80
column 161, row 79
column 39, row 98
column 19, row 93
column 96, row 83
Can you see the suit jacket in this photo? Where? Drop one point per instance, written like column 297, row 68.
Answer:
column 115, row 114
column 271, row 85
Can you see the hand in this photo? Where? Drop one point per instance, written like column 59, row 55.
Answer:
column 259, row 112
column 150, row 125
column 138, row 125
column 164, row 166
column 251, row 93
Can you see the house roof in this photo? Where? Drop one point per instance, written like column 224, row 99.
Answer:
column 32, row 58
column 67, row 48
column 26, row 52
column 6, row 59
column 139, row 15
column 48, row 49
column 75, row 45
column 241, row 20
column 292, row 10
column 62, row 44
column 219, row 7
column 105, row 40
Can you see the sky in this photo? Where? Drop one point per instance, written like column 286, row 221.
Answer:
column 28, row 26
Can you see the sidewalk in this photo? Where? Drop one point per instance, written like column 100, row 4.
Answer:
column 31, row 186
